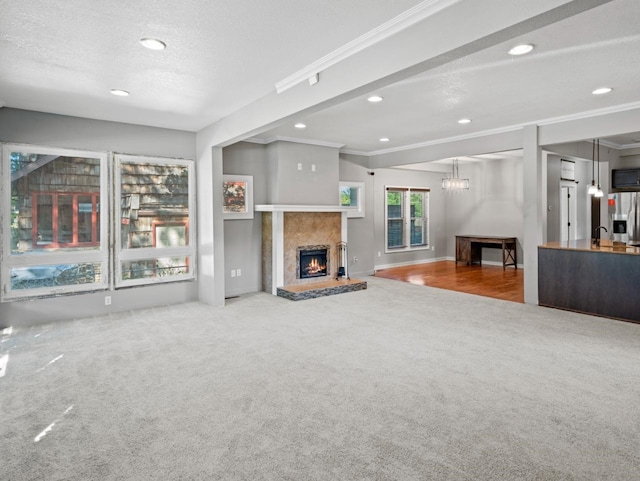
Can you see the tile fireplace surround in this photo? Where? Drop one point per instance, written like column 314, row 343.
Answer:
column 287, row 227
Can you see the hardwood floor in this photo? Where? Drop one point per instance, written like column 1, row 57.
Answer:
column 488, row 281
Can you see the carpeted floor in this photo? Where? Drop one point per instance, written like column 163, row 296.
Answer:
column 398, row 382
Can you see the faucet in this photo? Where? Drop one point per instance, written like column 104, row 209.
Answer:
column 596, row 234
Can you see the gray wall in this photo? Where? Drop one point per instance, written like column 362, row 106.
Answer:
column 303, row 187
column 626, row 162
column 360, row 230
column 20, row 126
column 275, row 174
column 437, row 209
column 492, row 206
column 243, row 237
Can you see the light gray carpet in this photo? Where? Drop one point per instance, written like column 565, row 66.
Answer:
column 398, row 382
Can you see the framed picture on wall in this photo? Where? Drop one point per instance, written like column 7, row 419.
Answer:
column 237, row 196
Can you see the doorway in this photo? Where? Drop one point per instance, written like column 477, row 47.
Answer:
column 568, row 211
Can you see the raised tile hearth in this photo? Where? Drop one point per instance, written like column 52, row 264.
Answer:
column 320, row 289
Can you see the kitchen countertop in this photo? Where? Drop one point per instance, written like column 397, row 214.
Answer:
column 606, row 246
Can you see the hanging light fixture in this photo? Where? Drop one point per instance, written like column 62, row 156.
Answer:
column 593, row 188
column 453, row 182
column 599, row 192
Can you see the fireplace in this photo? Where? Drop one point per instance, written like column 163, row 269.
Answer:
column 313, row 261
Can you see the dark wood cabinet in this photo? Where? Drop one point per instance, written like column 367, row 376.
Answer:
column 600, row 282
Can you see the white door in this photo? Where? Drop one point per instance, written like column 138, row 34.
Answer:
column 568, row 212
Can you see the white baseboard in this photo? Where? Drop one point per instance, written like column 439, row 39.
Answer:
column 437, row 259
column 239, row 292
column 410, row 263
column 361, row 274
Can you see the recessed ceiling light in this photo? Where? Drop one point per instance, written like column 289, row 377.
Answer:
column 120, row 93
column 300, row 125
column 521, row 49
column 153, row 43
column 602, row 90
column 464, row 121
column 384, row 139
column 375, row 98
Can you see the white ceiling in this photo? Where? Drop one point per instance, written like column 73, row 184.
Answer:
column 63, row 57
column 600, row 47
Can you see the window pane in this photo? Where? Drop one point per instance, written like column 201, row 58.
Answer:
column 34, row 277
column 417, row 201
column 88, row 219
column 418, row 223
column 418, row 232
column 44, row 211
column 395, row 222
column 151, row 195
column 160, row 267
column 394, row 233
column 65, row 219
column 171, row 235
column 44, row 193
column 394, row 205
column 349, row 196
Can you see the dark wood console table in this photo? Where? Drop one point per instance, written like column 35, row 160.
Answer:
column 469, row 249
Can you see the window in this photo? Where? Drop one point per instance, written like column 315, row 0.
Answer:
column 407, row 218
column 65, row 219
column 58, row 212
column 56, row 239
column 352, row 197
column 155, row 209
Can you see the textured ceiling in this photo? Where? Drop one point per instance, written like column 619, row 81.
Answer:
column 600, row 47
column 63, row 57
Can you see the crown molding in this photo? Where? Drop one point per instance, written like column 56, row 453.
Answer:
column 589, row 113
column 295, row 140
column 550, row 121
column 416, row 14
column 355, row 152
column 627, row 146
column 255, row 140
column 611, row 145
column 446, row 140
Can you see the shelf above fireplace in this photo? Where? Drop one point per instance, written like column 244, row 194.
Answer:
column 299, row 208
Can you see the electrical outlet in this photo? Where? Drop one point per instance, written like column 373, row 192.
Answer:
column 238, row 272
column 379, row 254
column 355, row 259
column 313, row 167
column 107, row 300
column 233, row 272
column 299, row 165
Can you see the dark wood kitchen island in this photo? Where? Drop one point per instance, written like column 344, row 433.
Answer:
column 579, row 276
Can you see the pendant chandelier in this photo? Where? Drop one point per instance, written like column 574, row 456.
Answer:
column 594, row 190
column 453, row 182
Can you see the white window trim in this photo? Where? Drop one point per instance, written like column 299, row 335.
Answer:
column 10, row 261
column 141, row 254
column 407, row 219
column 354, row 211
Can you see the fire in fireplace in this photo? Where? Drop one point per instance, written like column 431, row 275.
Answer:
column 313, row 261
